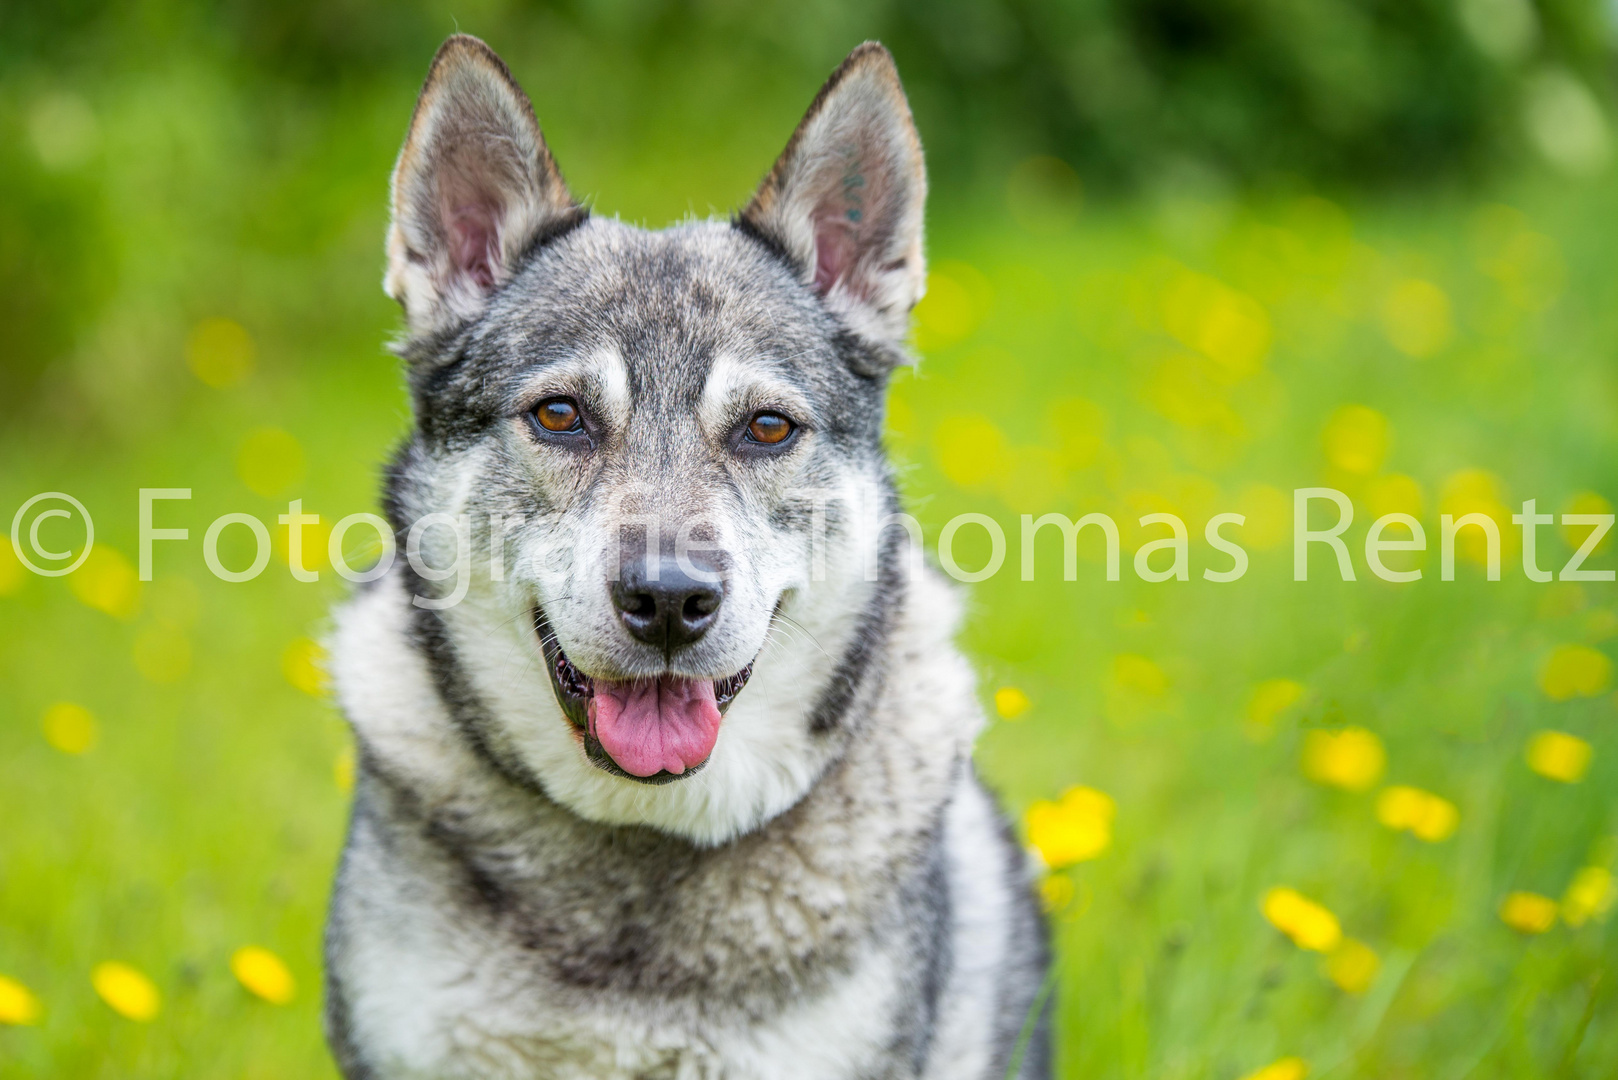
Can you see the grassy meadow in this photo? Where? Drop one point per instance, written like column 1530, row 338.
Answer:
column 1343, row 829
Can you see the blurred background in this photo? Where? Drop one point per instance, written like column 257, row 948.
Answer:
column 1188, row 255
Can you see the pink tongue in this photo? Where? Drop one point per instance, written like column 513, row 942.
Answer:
column 655, row 725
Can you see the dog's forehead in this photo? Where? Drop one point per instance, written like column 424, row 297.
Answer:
column 668, row 304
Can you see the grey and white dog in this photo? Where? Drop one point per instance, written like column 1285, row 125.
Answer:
column 664, row 745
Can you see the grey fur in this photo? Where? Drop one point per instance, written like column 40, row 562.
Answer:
column 834, row 894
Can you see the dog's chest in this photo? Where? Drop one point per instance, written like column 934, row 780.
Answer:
column 515, row 963
column 449, row 1002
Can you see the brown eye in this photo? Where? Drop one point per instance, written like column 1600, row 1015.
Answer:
column 769, row 428
column 557, row 414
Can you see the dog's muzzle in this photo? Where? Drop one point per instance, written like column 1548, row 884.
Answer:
column 653, row 731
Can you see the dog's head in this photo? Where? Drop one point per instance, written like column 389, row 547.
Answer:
column 656, row 454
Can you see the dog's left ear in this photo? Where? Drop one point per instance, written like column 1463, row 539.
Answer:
column 474, row 187
column 845, row 200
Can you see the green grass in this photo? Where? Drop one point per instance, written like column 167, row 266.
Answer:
column 208, row 817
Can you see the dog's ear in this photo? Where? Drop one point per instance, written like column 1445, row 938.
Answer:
column 845, row 200
column 474, row 186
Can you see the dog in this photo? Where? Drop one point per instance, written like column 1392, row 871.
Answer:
column 664, row 748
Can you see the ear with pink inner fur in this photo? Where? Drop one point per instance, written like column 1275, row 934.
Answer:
column 845, row 200
column 474, row 186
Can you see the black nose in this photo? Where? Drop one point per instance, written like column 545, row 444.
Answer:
column 674, row 610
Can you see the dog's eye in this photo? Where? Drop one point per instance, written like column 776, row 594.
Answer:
column 558, row 414
column 769, row 428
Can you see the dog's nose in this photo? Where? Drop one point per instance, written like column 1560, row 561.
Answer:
column 674, row 610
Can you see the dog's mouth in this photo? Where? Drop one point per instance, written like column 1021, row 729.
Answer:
column 653, row 730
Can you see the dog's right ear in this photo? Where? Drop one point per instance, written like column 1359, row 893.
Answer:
column 474, row 187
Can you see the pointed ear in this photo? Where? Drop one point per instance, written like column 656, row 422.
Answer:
column 474, row 186
column 845, row 199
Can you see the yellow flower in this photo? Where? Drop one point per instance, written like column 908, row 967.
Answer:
column 971, row 450
column 342, row 771
column 1268, row 701
column 1477, row 491
column 958, row 299
column 1228, row 327
column 1416, row 318
column 1356, row 439
column 1287, row 1068
column 1557, row 755
column 126, row 991
column 1353, row 966
column 1010, row 702
column 18, row 1005
column 1308, row 924
column 1351, row 759
column 1575, row 671
column 11, row 571
column 1077, row 828
column 269, row 461
column 1586, row 502
column 69, row 727
column 1056, row 892
column 1269, row 516
column 303, row 664
column 1528, row 912
column 1592, row 895
column 1430, row 817
column 107, row 582
column 263, row 974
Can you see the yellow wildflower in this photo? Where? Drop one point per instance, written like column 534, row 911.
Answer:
column 1356, row 439
column 1586, row 502
column 126, row 991
column 107, row 582
column 1557, row 755
column 1353, row 966
column 1575, row 671
column 342, row 771
column 1075, row 829
column 1351, row 758
column 971, row 450
column 1228, row 327
column 1592, row 895
column 1528, row 912
column 1269, row 516
column 1287, row 1068
column 1429, row 817
column 263, row 974
column 11, row 571
column 958, row 299
column 1010, row 702
column 1308, row 924
column 1416, row 318
column 18, row 1005
column 69, row 728
column 303, row 664
column 269, row 461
